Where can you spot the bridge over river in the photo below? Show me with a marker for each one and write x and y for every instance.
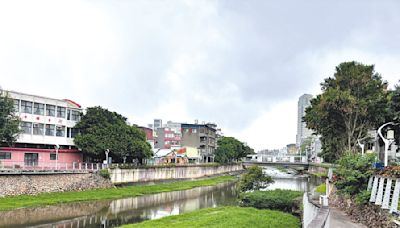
(290, 161)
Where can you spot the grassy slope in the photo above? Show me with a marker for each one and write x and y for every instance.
(9, 203)
(321, 188)
(226, 217)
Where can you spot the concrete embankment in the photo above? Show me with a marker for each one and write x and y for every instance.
(12, 185)
(120, 176)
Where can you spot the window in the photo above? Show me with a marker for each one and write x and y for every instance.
(68, 114)
(38, 109)
(16, 105)
(75, 115)
(53, 156)
(60, 131)
(26, 107)
(50, 128)
(61, 112)
(26, 127)
(370, 146)
(38, 129)
(5, 155)
(50, 110)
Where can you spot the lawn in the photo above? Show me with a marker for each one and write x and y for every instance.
(225, 217)
(9, 203)
(321, 188)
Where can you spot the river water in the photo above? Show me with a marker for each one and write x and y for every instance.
(112, 213)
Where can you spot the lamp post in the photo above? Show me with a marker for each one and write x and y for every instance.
(57, 147)
(107, 151)
(362, 146)
(388, 141)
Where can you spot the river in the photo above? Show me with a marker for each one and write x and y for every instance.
(112, 213)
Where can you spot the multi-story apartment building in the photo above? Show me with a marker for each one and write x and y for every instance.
(302, 131)
(167, 138)
(46, 124)
(149, 135)
(200, 136)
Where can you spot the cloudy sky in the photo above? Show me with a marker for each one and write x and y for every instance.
(240, 64)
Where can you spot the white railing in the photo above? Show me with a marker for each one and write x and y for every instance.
(48, 166)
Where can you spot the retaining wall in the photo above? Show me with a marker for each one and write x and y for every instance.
(11, 185)
(119, 176)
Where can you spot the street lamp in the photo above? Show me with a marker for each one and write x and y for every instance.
(107, 151)
(388, 141)
(57, 147)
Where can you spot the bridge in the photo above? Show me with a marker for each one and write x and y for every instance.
(292, 161)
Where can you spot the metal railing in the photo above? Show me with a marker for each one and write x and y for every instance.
(48, 166)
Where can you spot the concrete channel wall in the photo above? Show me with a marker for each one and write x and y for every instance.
(120, 176)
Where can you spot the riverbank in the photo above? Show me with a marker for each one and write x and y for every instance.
(225, 217)
(9, 203)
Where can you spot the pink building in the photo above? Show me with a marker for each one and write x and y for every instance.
(47, 127)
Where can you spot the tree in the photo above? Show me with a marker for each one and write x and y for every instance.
(101, 129)
(254, 179)
(230, 149)
(352, 102)
(9, 122)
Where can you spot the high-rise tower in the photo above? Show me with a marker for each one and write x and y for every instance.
(302, 131)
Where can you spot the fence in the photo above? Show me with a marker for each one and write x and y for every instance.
(9, 166)
(385, 192)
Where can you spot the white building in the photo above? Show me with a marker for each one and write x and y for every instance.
(302, 131)
(45, 123)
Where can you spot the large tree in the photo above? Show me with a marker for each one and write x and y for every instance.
(101, 129)
(9, 122)
(352, 102)
(230, 149)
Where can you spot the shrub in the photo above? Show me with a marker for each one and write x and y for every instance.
(105, 173)
(363, 197)
(283, 200)
(253, 179)
(353, 173)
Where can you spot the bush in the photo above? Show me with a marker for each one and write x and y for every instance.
(363, 197)
(105, 173)
(282, 200)
(253, 179)
(353, 173)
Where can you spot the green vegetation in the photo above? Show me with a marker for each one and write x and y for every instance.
(105, 173)
(230, 149)
(9, 122)
(353, 173)
(9, 203)
(254, 179)
(321, 188)
(321, 174)
(226, 217)
(283, 200)
(352, 102)
(324, 165)
(101, 129)
(363, 197)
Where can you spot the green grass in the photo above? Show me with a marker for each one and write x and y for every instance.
(9, 203)
(225, 217)
(321, 188)
(324, 165)
(283, 200)
(320, 174)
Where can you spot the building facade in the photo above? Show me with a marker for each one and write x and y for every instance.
(201, 136)
(302, 131)
(167, 138)
(46, 124)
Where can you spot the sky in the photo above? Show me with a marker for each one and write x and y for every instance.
(240, 64)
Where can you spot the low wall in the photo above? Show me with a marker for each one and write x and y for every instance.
(119, 176)
(11, 185)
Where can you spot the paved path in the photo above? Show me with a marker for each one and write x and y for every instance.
(338, 219)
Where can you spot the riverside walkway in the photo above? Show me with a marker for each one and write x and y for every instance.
(338, 219)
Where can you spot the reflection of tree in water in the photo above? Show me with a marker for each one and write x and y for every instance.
(122, 211)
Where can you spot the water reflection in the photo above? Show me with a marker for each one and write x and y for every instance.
(121, 211)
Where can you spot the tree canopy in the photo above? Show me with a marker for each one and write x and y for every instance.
(101, 129)
(254, 179)
(9, 122)
(230, 149)
(353, 101)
